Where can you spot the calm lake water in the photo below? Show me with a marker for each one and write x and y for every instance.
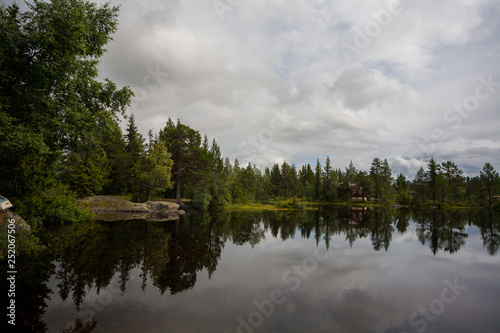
(331, 270)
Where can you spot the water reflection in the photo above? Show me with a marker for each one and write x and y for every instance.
(170, 256)
(490, 232)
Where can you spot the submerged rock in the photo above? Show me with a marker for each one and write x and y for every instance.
(107, 208)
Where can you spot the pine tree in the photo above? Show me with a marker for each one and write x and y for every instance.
(386, 179)
(318, 181)
(432, 177)
(490, 180)
(276, 180)
(135, 153)
(375, 175)
(419, 183)
(328, 187)
(452, 175)
(184, 143)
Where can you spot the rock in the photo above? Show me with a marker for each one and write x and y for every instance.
(6, 215)
(107, 208)
(162, 205)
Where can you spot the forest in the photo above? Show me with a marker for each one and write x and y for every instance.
(60, 137)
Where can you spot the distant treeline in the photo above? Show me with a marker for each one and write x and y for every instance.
(178, 162)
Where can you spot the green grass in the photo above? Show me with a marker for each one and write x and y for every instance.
(286, 205)
(280, 205)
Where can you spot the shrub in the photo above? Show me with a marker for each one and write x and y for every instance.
(54, 206)
(293, 203)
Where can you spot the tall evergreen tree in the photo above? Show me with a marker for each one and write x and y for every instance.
(318, 181)
(276, 180)
(375, 175)
(381, 177)
(183, 143)
(351, 173)
(490, 180)
(402, 189)
(452, 175)
(113, 143)
(219, 184)
(135, 153)
(419, 183)
(328, 186)
(289, 179)
(432, 177)
(386, 178)
(306, 178)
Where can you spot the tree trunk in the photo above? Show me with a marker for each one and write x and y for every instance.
(489, 195)
(178, 186)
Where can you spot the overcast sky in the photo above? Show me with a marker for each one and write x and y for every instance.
(293, 80)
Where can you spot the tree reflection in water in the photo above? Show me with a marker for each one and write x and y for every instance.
(170, 255)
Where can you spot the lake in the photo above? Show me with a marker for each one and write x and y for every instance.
(330, 270)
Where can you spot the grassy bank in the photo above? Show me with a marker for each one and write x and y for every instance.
(314, 205)
(277, 205)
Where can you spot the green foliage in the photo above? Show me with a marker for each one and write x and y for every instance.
(27, 243)
(381, 181)
(184, 145)
(156, 170)
(113, 143)
(306, 182)
(490, 181)
(201, 200)
(403, 194)
(50, 100)
(219, 180)
(53, 206)
(86, 175)
(237, 195)
(134, 157)
(432, 177)
(293, 203)
(318, 176)
(328, 188)
(419, 185)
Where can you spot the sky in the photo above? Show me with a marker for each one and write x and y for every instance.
(297, 80)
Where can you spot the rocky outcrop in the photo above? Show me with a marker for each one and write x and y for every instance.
(108, 208)
(6, 215)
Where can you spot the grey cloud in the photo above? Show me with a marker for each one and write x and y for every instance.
(226, 78)
(358, 87)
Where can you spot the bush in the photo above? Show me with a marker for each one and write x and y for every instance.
(54, 206)
(293, 203)
(201, 200)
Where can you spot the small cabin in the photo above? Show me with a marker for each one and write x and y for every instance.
(357, 193)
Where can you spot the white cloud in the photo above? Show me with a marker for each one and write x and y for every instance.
(229, 78)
